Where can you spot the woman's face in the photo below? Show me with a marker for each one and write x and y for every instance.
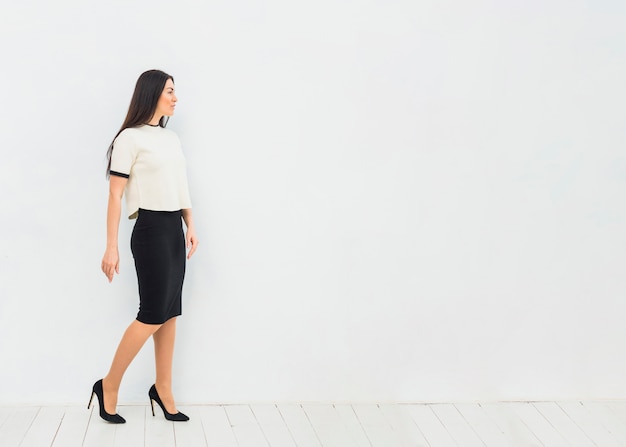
(167, 100)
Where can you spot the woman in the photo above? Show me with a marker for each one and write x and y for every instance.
(146, 164)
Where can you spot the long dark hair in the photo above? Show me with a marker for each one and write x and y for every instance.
(143, 104)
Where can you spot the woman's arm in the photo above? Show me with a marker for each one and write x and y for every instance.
(190, 238)
(111, 259)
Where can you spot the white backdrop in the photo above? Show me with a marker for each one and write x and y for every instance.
(396, 201)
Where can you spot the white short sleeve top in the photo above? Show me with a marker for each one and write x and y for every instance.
(152, 159)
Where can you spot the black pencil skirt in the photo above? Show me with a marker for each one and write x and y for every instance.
(158, 246)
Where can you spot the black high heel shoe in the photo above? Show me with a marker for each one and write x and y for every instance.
(112, 418)
(154, 397)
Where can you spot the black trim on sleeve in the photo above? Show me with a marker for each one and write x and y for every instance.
(119, 174)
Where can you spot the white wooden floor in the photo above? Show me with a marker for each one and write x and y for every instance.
(601, 424)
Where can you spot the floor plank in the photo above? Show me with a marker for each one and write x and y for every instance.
(572, 433)
(543, 430)
(189, 433)
(16, 425)
(132, 433)
(515, 430)
(245, 426)
(328, 425)
(355, 425)
(299, 425)
(456, 425)
(216, 426)
(44, 428)
(430, 425)
(5, 412)
(273, 425)
(100, 433)
(619, 409)
(73, 428)
(159, 431)
(484, 426)
(400, 420)
(611, 421)
(379, 430)
(589, 424)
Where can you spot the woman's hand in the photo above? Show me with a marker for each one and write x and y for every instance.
(111, 262)
(191, 240)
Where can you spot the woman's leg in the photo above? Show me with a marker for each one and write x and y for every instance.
(164, 339)
(132, 341)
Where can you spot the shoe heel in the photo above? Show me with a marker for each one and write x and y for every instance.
(90, 399)
(152, 404)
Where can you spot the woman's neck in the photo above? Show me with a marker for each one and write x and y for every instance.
(155, 120)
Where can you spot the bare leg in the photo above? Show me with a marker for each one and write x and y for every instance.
(132, 341)
(164, 339)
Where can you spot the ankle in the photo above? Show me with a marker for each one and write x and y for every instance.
(110, 386)
(163, 387)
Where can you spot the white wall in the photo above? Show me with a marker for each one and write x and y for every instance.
(397, 201)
